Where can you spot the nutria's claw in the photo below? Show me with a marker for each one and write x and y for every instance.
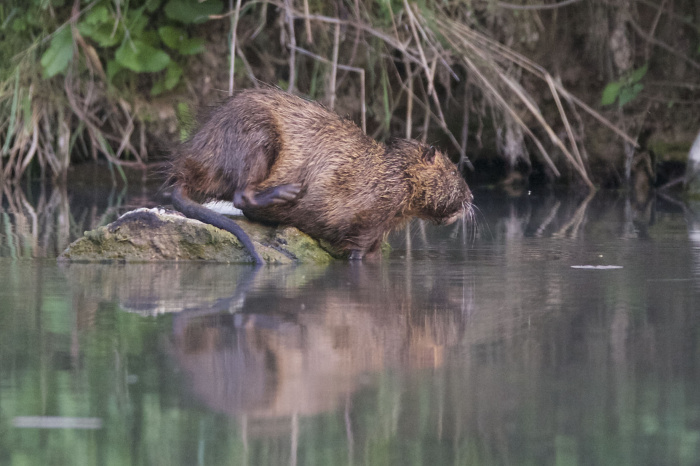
(287, 192)
(248, 198)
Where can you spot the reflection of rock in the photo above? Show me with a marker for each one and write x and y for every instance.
(146, 235)
(291, 352)
(158, 288)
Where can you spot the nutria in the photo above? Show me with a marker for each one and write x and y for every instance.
(285, 160)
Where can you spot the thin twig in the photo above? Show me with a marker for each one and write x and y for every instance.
(685, 20)
(263, 21)
(327, 61)
(409, 99)
(234, 29)
(334, 69)
(293, 43)
(534, 111)
(489, 86)
(248, 68)
(307, 23)
(465, 128)
(652, 29)
(482, 42)
(412, 22)
(663, 45)
(565, 120)
(363, 101)
(426, 123)
(361, 71)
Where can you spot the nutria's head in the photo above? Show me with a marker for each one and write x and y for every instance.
(439, 192)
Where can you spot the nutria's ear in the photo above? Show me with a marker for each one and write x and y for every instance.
(429, 154)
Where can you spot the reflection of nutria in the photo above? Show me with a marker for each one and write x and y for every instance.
(285, 160)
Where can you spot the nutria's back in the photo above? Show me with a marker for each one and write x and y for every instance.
(351, 189)
(239, 142)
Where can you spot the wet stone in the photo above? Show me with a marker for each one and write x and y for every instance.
(148, 235)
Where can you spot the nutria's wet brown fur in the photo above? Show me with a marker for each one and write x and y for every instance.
(285, 160)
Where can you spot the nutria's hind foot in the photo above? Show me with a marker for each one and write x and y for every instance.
(248, 198)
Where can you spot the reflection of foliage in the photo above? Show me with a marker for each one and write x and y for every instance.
(550, 368)
(44, 227)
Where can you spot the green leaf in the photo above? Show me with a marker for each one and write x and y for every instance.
(98, 25)
(173, 73)
(192, 46)
(628, 93)
(176, 38)
(19, 25)
(638, 74)
(191, 11)
(151, 38)
(152, 5)
(158, 87)
(113, 67)
(185, 118)
(98, 15)
(140, 57)
(56, 58)
(172, 36)
(610, 93)
(137, 22)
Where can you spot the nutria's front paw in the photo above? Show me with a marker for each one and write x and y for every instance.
(270, 196)
(286, 192)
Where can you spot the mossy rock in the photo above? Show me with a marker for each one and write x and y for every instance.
(147, 235)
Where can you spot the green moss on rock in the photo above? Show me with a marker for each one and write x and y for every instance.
(146, 235)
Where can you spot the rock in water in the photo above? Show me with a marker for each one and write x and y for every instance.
(146, 235)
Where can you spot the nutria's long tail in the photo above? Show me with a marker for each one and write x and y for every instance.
(197, 211)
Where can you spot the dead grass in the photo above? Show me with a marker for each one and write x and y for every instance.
(397, 67)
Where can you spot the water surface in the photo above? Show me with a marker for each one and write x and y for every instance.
(462, 346)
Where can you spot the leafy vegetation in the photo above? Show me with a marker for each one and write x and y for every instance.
(73, 75)
(626, 89)
(103, 79)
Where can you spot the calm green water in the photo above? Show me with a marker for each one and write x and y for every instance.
(463, 346)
